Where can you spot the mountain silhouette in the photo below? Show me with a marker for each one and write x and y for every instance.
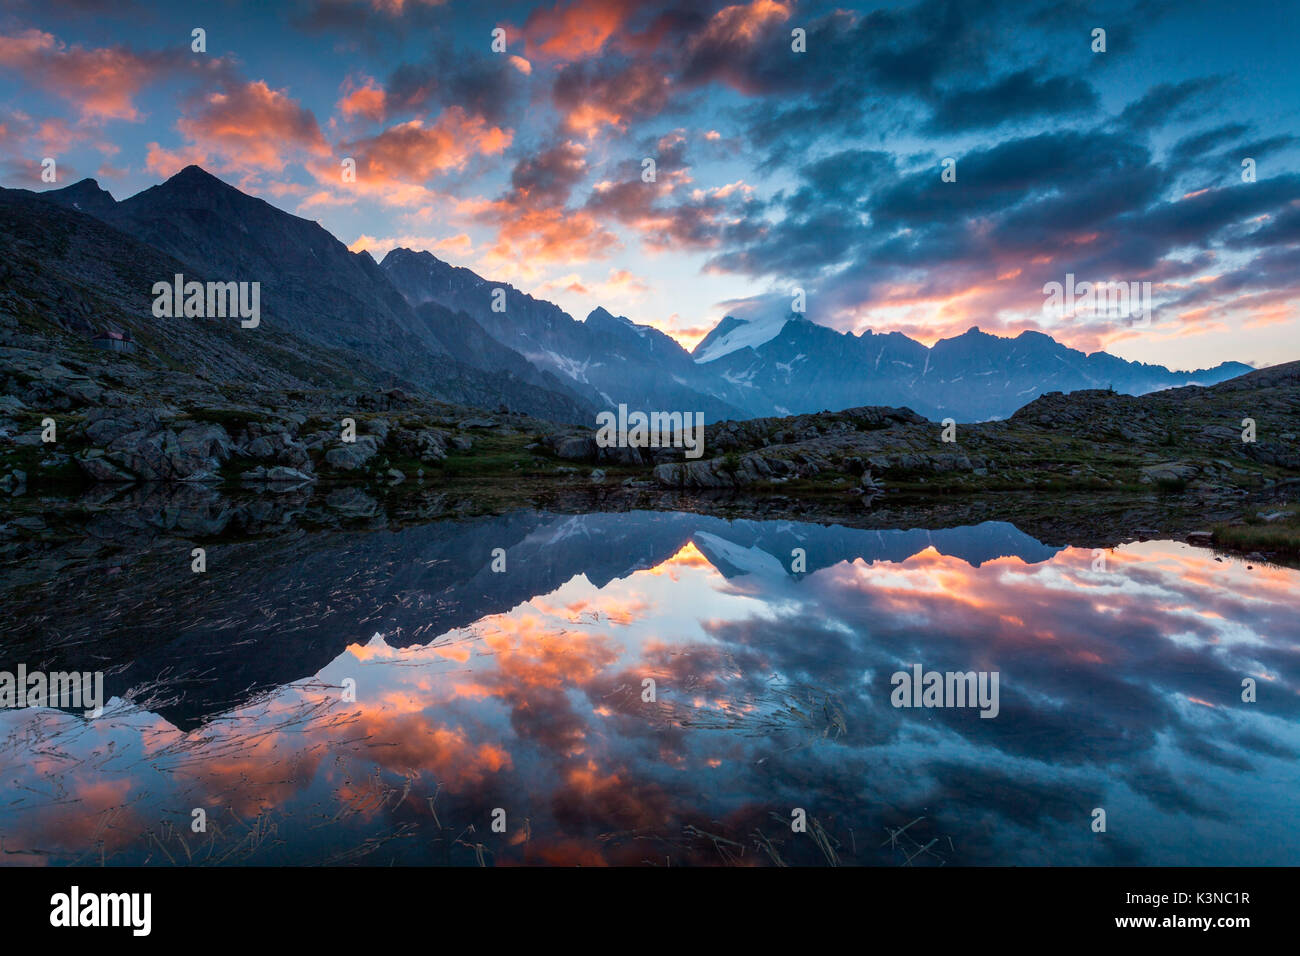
(419, 320)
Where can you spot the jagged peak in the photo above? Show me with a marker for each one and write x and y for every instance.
(398, 253)
(196, 174)
(84, 196)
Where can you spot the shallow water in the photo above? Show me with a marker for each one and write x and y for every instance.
(519, 696)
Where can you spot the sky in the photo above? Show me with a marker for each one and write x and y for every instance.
(775, 168)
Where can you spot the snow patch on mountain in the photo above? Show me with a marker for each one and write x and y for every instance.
(747, 334)
(752, 560)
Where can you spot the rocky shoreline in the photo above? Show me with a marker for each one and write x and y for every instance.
(73, 426)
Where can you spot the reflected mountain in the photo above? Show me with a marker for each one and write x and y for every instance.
(653, 688)
(270, 612)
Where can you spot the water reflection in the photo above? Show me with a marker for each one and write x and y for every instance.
(525, 692)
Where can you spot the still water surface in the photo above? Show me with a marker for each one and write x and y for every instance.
(521, 696)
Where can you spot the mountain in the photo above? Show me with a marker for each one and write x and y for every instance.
(778, 366)
(85, 196)
(805, 367)
(732, 333)
(66, 277)
(607, 359)
(414, 319)
(446, 562)
(313, 287)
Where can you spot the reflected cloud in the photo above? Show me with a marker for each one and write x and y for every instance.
(662, 686)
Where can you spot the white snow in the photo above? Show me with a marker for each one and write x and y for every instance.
(747, 560)
(566, 366)
(745, 378)
(788, 367)
(750, 334)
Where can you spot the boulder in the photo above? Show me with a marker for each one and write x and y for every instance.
(96, 467)
(282, 474)
(722, 472)
(207, 440)
(352, 455)
(574, 447)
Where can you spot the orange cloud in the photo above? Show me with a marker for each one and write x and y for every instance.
(250, 125)
(620, 284)
(590, 100)
(368, 101)
(745, 22)
(460, 244)
(576, 31)
(102, 82)
(415, 152)
(51, 136)
(535, 237)
(165, 163)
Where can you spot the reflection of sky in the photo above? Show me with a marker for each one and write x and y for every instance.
(1119, 689)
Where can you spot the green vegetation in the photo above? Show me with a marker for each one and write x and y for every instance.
(492, 454)
(1280, 536)
(233, 420)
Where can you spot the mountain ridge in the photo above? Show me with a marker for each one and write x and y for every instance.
(412, 313)
(317, 289)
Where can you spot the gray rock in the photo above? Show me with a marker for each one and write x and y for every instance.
(15, 482)
(281, 473)
(104, 425)
(99, 468)
(208, 440)
(431, 445)
(159, 456)
(260, 448)
(1168, 471)
(726, 472)
(574, 447)
(623, 455)
(352, 455)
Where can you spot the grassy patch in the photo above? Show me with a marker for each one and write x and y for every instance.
(1281, 536)
(492, 454)
(233, 420)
